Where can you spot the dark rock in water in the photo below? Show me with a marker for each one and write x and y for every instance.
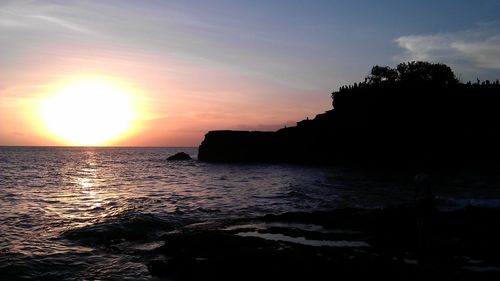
(180, 156)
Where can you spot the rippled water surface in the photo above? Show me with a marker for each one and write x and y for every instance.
(60, 207)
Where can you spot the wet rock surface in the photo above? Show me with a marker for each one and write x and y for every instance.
(342, 244)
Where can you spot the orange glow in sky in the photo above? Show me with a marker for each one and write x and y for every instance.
(112, 98)
(164, 73)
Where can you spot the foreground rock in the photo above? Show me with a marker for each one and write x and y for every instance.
(349, 244)
(179, 156)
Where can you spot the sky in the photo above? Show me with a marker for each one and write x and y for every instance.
(194, 66)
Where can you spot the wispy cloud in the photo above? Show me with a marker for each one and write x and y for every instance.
(61, 22)
(477, 48)
(485, 54)
(29, 15)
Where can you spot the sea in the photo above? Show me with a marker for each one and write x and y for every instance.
(94, 213)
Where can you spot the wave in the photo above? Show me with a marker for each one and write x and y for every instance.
(449, 203)
(129, 226)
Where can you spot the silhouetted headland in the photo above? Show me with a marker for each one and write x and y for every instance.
(416, 113)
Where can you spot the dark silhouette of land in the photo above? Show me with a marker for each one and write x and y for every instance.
(416, 115)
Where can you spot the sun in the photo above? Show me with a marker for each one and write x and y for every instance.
(88, 112)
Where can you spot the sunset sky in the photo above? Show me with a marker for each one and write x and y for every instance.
(176, 69)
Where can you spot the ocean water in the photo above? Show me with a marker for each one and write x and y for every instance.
(95, 213)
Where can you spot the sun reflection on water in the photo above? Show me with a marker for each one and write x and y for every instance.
(85, 182)
(88, 194)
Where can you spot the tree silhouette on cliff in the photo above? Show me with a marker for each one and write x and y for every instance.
(382, 74)
(415, 73)
(421, 72)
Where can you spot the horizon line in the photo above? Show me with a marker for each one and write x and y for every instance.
(95, 146)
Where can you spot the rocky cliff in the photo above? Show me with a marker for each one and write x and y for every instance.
(389, 124)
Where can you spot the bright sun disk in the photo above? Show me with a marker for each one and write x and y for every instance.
(88, 113)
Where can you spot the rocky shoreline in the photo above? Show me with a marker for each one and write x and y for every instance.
(341, 244)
